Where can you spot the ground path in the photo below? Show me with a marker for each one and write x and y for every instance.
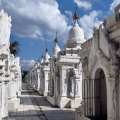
(35, 107)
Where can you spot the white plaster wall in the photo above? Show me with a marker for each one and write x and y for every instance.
(103, 41)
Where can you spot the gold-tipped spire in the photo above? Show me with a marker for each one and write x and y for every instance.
(56, 39)
(46, 50)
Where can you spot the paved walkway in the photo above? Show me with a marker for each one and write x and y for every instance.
(35, 107)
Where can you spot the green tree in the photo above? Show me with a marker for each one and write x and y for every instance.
(14, 48)
(24, 73)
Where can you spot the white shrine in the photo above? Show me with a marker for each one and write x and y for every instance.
(10, 81)
(15, 83)
(44, 73)
(5, 23)
(39, 75)
(61, 75)
(67, 71)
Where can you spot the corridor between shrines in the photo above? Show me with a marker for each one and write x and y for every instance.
(36, 107)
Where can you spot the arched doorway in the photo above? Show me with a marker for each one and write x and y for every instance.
(100, 94)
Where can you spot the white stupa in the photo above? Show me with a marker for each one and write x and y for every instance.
(76, 34)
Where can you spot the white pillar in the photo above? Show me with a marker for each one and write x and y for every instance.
(46, 83)
(38, 80)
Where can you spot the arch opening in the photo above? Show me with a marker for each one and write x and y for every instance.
(100, 94)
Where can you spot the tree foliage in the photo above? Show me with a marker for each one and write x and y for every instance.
(14, 48)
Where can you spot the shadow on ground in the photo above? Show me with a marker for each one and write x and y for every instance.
(46, 115)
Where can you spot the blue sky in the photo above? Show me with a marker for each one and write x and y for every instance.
(35, 22)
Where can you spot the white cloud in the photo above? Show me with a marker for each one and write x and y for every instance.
(27, 64)
(35, 18)
(83, 4)
(68, 13)
(114, 4)
(88, 22)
